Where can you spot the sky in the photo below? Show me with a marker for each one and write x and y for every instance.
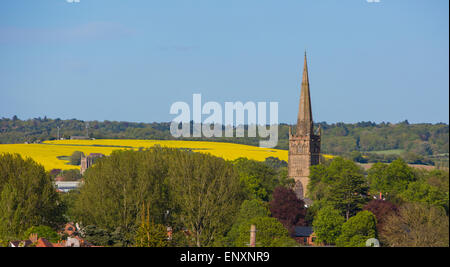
(131, 60)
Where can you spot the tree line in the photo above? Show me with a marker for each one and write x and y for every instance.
(422, 143)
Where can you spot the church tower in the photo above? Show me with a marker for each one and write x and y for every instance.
(304, 144)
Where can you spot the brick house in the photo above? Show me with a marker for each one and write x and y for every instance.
(305, 235)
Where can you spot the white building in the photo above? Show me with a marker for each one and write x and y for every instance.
(67, 186)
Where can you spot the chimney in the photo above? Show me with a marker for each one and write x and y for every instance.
(169, 233)
(252, 236)
(33, 238)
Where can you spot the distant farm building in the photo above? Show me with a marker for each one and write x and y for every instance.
(66, 186)
(79, 137)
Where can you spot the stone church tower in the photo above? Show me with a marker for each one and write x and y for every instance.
(304, 144)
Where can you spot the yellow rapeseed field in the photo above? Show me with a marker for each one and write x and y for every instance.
(47, 152)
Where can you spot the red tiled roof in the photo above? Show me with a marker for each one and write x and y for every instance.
(43, 243)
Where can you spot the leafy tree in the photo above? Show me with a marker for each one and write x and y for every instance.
(275, 163)
(121, 238)
(390, 179)
(339, 183)
(249, 210)
(349, 192)
(287, 208)
(432, 187)
(437, 178)
(257, 179)
(96, 235)
(42, 231)
(181, 188)
(421, 191)
(3, 243)
(413, 158)
(319, 182)
(71, 175)
(183, 238)
(103, 237)
(68, 201)
(270, 233)
(357, 230)
(356, 156)
(27, 196)
(313, 209)
(417, 225)
(206, 194)
(283, 179)
(150, 234)
(327, 225)
(253, 187)
(75, 158)
(115, 186)
(378, 179)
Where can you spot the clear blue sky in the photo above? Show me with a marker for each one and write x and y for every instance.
(130, 60)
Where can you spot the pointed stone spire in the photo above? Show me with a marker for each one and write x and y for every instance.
(304, 119)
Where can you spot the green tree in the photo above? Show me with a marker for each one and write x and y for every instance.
(114, 186)
(75, 158)
(339, 183)
(348, 188)
(249, 210)
(421, 191)
(275, 163)
(356, 156)
(349, 193)
(96, 235)
(42, 231)
(432, 187)
(357, 230)
(71, 175)
(184, 239)
(270, 233)
(319, 182)
(150, 234)
(121, 238)
(257, 178)
(185, 189)
(327, 225)
(68, 201)
(27, 196)
(104, 237)
(206, 193)
(390, 179)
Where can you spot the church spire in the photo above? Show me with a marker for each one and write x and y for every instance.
(304, 119)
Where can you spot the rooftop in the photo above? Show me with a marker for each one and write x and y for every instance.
(303, 231)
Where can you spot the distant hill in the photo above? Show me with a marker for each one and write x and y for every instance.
(364, 142)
